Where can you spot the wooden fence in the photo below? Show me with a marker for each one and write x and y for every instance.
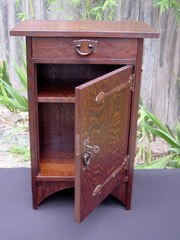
(160, 89)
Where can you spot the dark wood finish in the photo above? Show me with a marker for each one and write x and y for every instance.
(33, 119)
(56, 83)
(55, 178)
(45, 189)
(106, 125)
(56, 139)
(85, 61)
(40, 28)
(133, 125)
(78, 92)
(54, 95)
(64, 48)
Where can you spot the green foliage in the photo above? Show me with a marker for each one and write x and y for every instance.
(16, 141)
(153, 127)
(93, 10)
(10, 97)
(50, 1)
(161, 162)
(165, 5)
(144, 137)
(15, 101)
(22, 16)
(90, 9)
(3, 75)
(21, 69)
(24, 151)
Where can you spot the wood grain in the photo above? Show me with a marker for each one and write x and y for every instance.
(120, 191)
(33, 119)
(84, 29)
(133, 124)
(162, 94)
(45, 189)
(57, 160)
(160, 89)
(56, 125)
(64, 48)
(106, 125)
(57, 82)
(57, 113)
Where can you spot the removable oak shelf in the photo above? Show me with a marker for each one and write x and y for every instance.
(57, 93)
(83, 92)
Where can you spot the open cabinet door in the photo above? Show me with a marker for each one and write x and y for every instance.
(102, 124)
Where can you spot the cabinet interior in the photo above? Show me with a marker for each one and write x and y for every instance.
(56, 113)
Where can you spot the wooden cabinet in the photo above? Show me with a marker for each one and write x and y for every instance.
(83, 90)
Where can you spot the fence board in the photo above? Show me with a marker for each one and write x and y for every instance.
(160, 88)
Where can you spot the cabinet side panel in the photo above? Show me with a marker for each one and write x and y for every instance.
(133, 125)
(33, 118)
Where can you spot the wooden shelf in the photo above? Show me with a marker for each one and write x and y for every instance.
(66, 95)
(57, 161)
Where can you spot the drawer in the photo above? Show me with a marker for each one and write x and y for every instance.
(75, 48)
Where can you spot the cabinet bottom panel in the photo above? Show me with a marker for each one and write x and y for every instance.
(45, 189)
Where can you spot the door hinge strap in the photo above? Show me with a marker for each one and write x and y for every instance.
(125, 179)
(99, 187)
(131, 79)
(126, 160)
(102, 95)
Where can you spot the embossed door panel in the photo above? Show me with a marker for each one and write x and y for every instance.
(102, 121)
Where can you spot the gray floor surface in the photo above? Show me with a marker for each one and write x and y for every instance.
(155, 213)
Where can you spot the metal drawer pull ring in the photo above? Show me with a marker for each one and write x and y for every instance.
(78, 47)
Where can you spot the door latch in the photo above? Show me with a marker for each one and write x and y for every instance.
(86, 158)
(88, 151)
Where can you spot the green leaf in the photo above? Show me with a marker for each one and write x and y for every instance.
(4, 72)
(12, 104)
(178, 131)
(50, 1)
(3, 90)
(17, 4)
(167, 137)
(76, 3)
(175, 162)
(157, 122)
(15, 94)
(22, 16)
(21, 74)
(176, 150)
(156, 164)
(23, 46)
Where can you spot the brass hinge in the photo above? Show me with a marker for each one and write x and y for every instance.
(126, 161)
(132, 78)
(125, 179)
(99, 187)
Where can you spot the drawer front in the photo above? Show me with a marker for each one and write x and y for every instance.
(74, 48)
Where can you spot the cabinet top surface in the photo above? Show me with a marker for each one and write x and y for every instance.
(52, 28)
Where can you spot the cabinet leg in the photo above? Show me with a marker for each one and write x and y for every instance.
(123, 192)
(129, 192)
(34, 196)
(120, 193)
(35, 206)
